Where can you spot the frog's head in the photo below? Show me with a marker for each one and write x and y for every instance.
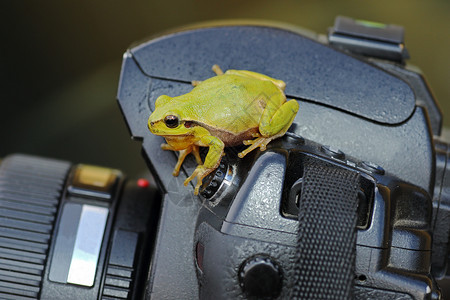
(167, 119)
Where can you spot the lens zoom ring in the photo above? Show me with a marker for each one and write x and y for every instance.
(30, 190)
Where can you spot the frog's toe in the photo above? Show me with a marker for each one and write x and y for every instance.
(216, 69)
(166, 147)
(256, 138)
(189, 179)
(260, 142)
(197, 187)
(253, 146)
(200, 172)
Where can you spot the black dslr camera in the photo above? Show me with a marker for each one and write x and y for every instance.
(350, 203)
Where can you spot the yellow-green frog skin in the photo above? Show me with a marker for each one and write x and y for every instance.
(234, 107)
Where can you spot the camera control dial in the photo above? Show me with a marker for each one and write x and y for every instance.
(261, 277)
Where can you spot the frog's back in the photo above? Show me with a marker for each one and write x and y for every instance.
(230, 103)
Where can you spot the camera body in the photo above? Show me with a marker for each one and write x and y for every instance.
(361, 109)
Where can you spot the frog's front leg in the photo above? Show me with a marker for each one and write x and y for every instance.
(212, 160)
(273, 124)
(182, 156)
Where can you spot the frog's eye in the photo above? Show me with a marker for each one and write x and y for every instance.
(171, 121)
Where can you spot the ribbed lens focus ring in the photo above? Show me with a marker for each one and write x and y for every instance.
(30, 191)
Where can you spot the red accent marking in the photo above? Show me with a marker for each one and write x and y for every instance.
(143, 183)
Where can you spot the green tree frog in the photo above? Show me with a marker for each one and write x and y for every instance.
(234, 107)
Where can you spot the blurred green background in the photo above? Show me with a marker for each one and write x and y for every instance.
(60, 62)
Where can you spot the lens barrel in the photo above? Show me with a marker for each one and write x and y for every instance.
(30, 191)
(72, 232)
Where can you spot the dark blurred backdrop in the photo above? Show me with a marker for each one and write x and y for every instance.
(60, 62)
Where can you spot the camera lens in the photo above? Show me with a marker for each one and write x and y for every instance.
(72, 232)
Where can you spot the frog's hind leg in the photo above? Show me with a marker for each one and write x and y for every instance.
(261, 142)
(217, 70)
(272, 126)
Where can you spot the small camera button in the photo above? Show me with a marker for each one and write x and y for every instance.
(333, 152)
(350, 163)
(372, 167)
(261, 277)
(94, 182)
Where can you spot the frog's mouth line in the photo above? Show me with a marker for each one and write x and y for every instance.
(175, 136)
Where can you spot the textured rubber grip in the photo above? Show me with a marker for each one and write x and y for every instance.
(30, 191)
(327, 233)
